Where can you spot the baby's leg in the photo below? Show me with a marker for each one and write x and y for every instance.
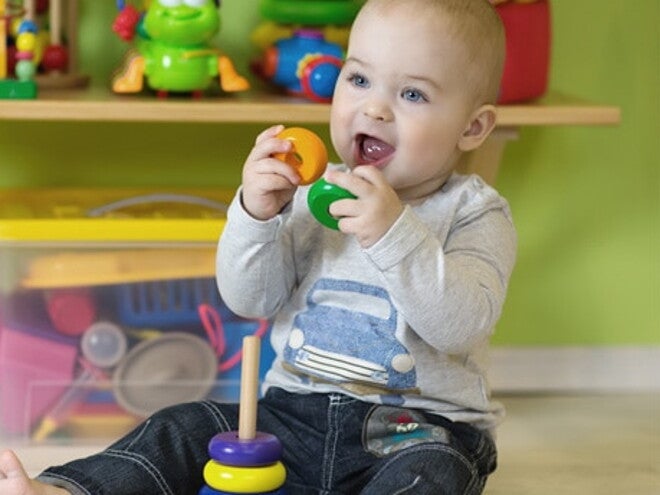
(164, 454)
(435, 455)
(14, 480)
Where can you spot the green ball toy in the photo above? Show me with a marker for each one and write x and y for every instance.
(319, 198)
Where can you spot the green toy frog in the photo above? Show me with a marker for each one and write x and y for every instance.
(172, 49)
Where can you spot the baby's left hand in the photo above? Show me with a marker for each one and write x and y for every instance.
(373, 212)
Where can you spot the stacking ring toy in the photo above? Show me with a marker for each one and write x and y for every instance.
(228, 449)
(246, 461)
(244, 479)
(308, 157)
(321, 195)
(207, 490)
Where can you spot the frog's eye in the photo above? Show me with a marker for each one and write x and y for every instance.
(170, 3)
(195, 3)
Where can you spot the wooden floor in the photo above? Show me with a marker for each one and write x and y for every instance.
(579, 445)
(549, 445)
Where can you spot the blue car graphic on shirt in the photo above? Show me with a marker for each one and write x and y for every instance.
(336, 340)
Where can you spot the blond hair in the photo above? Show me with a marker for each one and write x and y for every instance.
(477, 26)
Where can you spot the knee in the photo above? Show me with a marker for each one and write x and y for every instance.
(429, 469)
(192, 421)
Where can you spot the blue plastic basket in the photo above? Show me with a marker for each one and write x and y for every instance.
(167, 303)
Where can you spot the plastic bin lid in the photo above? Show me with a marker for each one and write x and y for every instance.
(112, 215)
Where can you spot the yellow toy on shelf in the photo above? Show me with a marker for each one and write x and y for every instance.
(41, 52)
(25, 53)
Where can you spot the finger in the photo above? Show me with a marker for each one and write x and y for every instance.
(268, 147)
(273, 182)
(267, 143)
(344, 208)
(352, 183)
(370, 174)
(10, 466)
(271, 166)
(272, 131)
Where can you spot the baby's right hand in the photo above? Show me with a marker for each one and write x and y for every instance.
(268, 183)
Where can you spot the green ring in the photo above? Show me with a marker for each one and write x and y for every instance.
(319, 198)
(316, 13)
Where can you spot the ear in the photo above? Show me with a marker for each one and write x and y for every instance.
(480, 125)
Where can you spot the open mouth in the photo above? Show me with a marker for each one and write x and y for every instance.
(372, 151)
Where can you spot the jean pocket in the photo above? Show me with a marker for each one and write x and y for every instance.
(390, 429)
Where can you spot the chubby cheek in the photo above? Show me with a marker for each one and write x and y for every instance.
(341, 139)
(433, 141)
(425, 158)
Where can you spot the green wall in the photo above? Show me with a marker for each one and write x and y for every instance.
(585, 199)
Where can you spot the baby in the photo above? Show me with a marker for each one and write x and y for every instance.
(379, 328)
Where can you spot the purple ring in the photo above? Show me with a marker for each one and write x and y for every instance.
(227, 448)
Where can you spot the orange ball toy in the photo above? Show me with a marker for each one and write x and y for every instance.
(308, 155)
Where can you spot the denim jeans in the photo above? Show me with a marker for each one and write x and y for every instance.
(333, 444)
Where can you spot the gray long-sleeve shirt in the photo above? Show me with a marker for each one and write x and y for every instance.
(405, 321)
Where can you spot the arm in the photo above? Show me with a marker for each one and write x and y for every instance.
(451, 295)
(255, 271)
(451, 291)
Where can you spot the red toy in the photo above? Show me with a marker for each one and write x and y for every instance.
(528, 36)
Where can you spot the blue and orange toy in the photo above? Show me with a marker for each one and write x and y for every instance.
(302, 43)
(281, 18)
(305, 64)
(172, 49)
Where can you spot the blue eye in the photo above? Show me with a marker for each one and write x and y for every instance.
(414, 95)
(358, 80)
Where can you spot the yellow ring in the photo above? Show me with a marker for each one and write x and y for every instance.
(308, 157)
(244, 479)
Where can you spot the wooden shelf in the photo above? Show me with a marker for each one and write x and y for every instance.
(100, 105)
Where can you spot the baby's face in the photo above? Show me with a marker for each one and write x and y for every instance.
(401, 102)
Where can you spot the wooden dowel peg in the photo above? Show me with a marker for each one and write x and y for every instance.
(247, 416)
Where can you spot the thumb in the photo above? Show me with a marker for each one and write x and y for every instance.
(10, 466)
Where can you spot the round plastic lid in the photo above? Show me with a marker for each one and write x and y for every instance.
(173, 368)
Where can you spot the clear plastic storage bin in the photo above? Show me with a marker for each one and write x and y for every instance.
(109, 310)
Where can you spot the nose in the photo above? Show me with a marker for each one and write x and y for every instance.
(378, 109)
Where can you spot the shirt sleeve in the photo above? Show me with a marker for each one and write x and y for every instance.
(450, 291)
(254, 266)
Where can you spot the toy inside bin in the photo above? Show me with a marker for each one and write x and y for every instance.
(166, 303)
(31, 352)
(146, 269)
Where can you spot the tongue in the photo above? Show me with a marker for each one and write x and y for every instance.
(374, 149)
